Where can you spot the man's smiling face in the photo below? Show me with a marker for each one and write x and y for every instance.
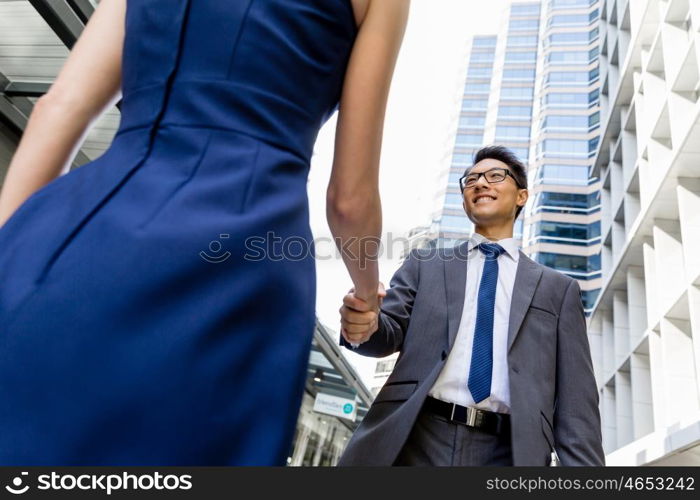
(487, 203)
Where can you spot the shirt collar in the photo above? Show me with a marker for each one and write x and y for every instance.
(510, 245)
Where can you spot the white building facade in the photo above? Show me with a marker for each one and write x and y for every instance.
(645, 323)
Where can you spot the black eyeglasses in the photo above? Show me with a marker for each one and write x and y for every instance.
(492, 176)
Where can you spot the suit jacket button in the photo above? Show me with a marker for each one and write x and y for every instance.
(444, 355)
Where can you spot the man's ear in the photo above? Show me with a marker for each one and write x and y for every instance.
(523, 195)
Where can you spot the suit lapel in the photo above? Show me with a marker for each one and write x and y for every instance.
(527, 276)
(455, 282)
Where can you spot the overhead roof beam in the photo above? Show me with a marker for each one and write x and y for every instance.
(83, 8)
(10, 115)
(67, 18)
(13, 117)
(62, 18)
(25, 89)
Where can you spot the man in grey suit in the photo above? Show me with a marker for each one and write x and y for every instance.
(494, 365)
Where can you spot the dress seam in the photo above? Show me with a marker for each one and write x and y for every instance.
(242, 25)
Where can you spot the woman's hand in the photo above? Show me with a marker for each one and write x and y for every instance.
(360, 315)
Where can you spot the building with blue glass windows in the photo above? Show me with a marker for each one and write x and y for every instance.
(562, 221)
(452, 222)
(497, 107)
(534, 88)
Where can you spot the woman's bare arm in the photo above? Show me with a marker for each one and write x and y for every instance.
(353, 205)
(88, 83)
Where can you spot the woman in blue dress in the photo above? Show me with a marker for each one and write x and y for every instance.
(135, 327)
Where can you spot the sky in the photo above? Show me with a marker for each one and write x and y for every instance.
(419, 131)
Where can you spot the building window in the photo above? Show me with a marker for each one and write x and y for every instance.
(453, 200)
(480, 72)
(566, 122)
(521, 153)
(568, 77)
(567, 230)
(459, 159)
(519, 74)
(578, 38)
(573, 19)
(474, 104)
(578, 201)
(472, 121)
(522, 41)
(517, 93)
(453, 179)
(566, 146)
(515, 112)
(589, 297)
(576, 175)
(521, 57)
(529, 9)
(455, 223)
(469, 140)
(568, 57)
(567, 99)
(477, 87)
(570, 4)
(593, 144)
(523, 24)
(484, 41)
(569, 263)
(481, 57)
(509, 132)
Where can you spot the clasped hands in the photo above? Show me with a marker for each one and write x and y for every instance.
(359, 317)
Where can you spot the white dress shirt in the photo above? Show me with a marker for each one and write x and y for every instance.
(451, 384)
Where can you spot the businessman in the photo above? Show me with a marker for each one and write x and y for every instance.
(494, 365)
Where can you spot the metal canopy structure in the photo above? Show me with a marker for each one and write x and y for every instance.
(331, 373)
(35, 40)
(64, 17)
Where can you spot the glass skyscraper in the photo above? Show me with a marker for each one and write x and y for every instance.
(534, 88)
(515, 97)
(496, 108)
(562, 224)
(453, 224)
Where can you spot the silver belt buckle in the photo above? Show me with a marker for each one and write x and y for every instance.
(471, 415)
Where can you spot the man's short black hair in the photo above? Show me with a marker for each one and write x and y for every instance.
(501, 153)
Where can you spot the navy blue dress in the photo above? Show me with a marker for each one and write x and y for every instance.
(139, 323)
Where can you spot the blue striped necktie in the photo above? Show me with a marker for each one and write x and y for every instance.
(481, 366)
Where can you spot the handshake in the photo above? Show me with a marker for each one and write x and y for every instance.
(359, 318)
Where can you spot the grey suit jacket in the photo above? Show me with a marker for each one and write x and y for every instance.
(554, 399)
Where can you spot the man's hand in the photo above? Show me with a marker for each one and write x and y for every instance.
(359, 319)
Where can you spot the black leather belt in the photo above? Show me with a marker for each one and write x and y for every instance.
(487, 421)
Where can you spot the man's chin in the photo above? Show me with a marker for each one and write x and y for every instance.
(487, 219)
